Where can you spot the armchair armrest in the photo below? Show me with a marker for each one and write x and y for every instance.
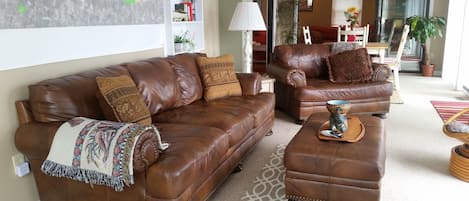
(34, 140)
(292, 77)
(381, 72)
(250, 83)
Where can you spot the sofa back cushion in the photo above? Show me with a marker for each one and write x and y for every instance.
(63, 98)
(157, 82)
(309, 58)
(187, 72)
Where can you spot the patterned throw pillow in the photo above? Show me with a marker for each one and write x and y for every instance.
(120, 100)
(350, 66)
(218, 77)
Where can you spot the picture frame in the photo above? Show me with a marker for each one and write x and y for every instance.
(305, 5)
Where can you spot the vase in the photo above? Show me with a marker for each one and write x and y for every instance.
(338, 110)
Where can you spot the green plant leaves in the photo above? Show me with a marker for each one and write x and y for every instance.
(423, 28)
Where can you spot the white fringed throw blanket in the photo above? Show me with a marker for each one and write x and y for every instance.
(95, 152)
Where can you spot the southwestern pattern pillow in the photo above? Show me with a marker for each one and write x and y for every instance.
(350, 66)
(120, 100)
(219, 77)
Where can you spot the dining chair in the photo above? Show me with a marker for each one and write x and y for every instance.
(307, 35)
(394, 63)
(357, 35)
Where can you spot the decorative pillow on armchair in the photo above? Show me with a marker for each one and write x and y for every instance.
(219, 77)
(120, 100)
(350, 66)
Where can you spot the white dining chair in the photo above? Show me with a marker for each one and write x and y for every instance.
(394, 63)
(360, 34)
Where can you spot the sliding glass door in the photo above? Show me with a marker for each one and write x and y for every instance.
(391, 15)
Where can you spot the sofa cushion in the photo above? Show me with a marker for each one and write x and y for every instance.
(120, 100)
(234, 121)
(194, 153)
(323, 90)
(58, 99)
(260, 106)
(219, 77)
(157, 82)
(187, 73)
(309, 58)
(350, 66)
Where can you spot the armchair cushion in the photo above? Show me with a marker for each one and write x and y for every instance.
(219, 77)
(120, 100)
(350, 66)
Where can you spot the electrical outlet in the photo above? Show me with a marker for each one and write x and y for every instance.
(20, 166)
(22, 169)
(17, 159)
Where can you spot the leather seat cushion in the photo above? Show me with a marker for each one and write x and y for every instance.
(194, 153)
(260, 106)
(324, 90)
(234, 121)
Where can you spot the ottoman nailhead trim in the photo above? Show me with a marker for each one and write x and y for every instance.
(301, 198)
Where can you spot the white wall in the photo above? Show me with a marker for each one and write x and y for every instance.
(28, 47)
(455, 62)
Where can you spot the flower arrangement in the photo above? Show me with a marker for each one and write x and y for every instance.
(352, 14)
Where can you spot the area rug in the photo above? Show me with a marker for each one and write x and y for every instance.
(446, 109)
(269, 186)
(396, 98)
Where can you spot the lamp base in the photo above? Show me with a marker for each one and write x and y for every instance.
(247, 51)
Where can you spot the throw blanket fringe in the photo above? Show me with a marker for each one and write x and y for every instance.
(88, 176)
(96, 152)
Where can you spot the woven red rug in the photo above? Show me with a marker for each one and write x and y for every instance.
(446, 109)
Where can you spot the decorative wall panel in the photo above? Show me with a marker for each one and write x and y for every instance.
(59, 13)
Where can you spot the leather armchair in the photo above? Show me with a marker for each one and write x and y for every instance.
(302, 86)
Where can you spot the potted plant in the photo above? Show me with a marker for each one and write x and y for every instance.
(421, 29)
(182, 42)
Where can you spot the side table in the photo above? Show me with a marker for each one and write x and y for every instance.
(267, 84)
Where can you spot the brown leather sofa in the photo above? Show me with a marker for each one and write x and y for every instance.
(302, 85)
(207, 139)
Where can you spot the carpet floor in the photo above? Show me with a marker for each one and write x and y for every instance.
(417, 150)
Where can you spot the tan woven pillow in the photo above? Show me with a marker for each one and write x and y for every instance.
(219, 77)
(120, 100)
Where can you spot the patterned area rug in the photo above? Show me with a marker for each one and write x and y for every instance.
(446, 109)
(269, 186)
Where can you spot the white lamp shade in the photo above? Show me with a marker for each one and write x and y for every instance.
(247, 17)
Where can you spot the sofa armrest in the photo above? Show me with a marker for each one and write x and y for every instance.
(34, 140)
(250, 83)
(292, 77)
(381, 72)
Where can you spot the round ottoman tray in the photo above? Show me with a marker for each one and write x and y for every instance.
(354, 133)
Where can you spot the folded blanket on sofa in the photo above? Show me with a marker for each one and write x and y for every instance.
(96, 152)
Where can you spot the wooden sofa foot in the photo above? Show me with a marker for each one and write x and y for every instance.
(269, 133)
(381, 115)
(238, 168)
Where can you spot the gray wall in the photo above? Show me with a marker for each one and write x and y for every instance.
(230, 41)
(437, 48)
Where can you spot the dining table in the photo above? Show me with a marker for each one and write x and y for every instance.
(376, 48)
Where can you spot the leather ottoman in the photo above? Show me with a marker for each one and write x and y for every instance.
(335, 171)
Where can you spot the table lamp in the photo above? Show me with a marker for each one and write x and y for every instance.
(247, 17)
